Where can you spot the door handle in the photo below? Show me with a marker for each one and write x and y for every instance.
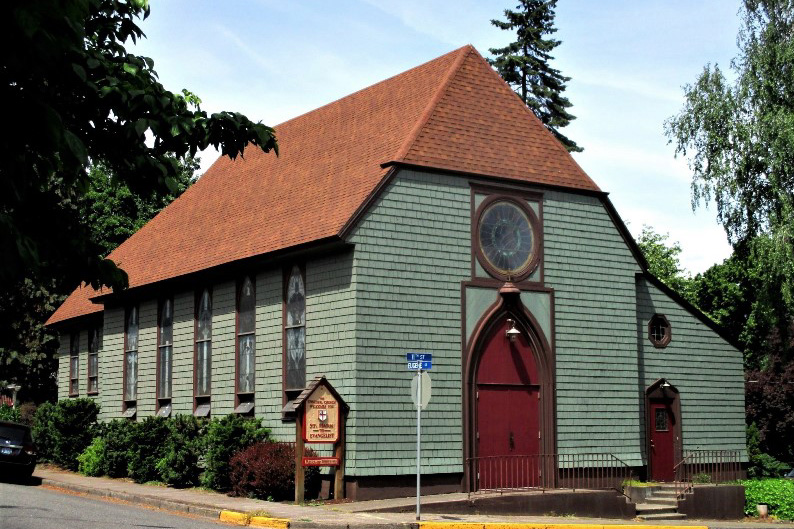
(512, 442)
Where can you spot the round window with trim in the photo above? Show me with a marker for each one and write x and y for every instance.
(508, 238)
(659, 330)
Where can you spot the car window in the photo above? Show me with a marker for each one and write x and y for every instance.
(15, 434)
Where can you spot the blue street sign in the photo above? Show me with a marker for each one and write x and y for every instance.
(423, 365)
(414, 357)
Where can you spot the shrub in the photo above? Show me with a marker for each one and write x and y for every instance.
(92, 461)
(26, 412)
(267, 471)
(116, 438)
(225, 437)
(777, 493)
(8, 413)
(184, 447)
(146, 447)
(44, 432)
(62, 431)
(762, 465)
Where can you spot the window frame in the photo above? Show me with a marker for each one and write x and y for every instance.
(290, 394)
(74, 370)
(130, 403)
(199, 401)
(243, 401)
(163, 402)
(94, 345)
(668, 335)
(521, 201)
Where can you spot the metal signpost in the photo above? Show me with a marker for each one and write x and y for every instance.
(420, 393)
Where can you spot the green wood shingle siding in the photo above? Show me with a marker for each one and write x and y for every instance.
(412, 252)
(591, 270)
(707, 372)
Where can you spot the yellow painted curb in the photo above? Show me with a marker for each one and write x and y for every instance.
(271, 523)
(511, 525)
(240, 518)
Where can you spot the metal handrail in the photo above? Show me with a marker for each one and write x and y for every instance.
(706, 466)
(548, 471)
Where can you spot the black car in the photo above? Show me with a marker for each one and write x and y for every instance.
(17, 452)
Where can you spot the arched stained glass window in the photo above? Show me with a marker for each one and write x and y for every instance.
(203, 344)
(246, 337)
(165, 350)
(131, 355)
(295, 330)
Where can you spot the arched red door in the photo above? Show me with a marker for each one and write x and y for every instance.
(507, 404)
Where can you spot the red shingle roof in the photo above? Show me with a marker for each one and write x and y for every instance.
(453, 112)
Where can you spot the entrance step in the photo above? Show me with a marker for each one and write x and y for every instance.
(650, 509)
(662, 516)
(661, 500)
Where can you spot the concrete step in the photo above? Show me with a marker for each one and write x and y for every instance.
(662, 501)
(655, 508)
(664, 494)
(662, 516)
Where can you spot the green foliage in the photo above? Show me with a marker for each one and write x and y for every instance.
(146, 447)
(73, 95)
(225, 437)
(63, 431)
(737, 138)
(28, 351)
(663, 262)
(27, 410)
(43, 432)
(524, 64)
(267, 471)
(8, 413)
(92, 461)
(116, 436)
(777, 493)
(114, 212)
(184, 447)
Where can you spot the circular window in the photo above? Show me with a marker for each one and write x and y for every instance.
(507, 238)
(659, 331)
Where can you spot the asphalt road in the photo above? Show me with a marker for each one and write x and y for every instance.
(39, 507)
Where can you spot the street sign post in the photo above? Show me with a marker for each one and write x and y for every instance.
(420, 394)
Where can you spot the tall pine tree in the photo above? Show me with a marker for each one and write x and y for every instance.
(524, 64)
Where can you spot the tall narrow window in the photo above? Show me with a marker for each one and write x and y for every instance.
(203, 355)
(165, 353)
(94, 345)
(246, 346)
(295, 331)
(131, 362)
(74, 365)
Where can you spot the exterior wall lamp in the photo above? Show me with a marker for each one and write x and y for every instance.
(512, 332)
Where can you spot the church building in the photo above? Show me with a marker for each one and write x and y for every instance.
(431, 212)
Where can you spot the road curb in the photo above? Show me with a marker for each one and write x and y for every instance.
(511, 525)
(169, 505)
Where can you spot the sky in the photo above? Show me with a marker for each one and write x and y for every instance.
(628, 61)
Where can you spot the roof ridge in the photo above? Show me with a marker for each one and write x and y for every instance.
(431, 104)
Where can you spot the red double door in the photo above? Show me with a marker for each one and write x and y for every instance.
(507, 410)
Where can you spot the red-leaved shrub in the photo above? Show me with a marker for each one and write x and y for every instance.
(267, 471)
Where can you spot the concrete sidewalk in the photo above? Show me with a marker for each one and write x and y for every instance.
(257, 513)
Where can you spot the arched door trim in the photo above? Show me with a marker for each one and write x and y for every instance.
(509, 305)
(662, 390)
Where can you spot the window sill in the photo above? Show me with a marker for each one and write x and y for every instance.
(92, 393)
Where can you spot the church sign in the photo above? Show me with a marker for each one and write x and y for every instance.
(321, 417)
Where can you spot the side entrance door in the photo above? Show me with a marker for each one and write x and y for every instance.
(662, 443)
(508, 432)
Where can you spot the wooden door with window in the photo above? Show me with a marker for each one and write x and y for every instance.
(508, 431)
(662, 422)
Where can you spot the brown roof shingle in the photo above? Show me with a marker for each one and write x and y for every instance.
(453, 112)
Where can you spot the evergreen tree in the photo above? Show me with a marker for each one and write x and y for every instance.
(524, 64)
